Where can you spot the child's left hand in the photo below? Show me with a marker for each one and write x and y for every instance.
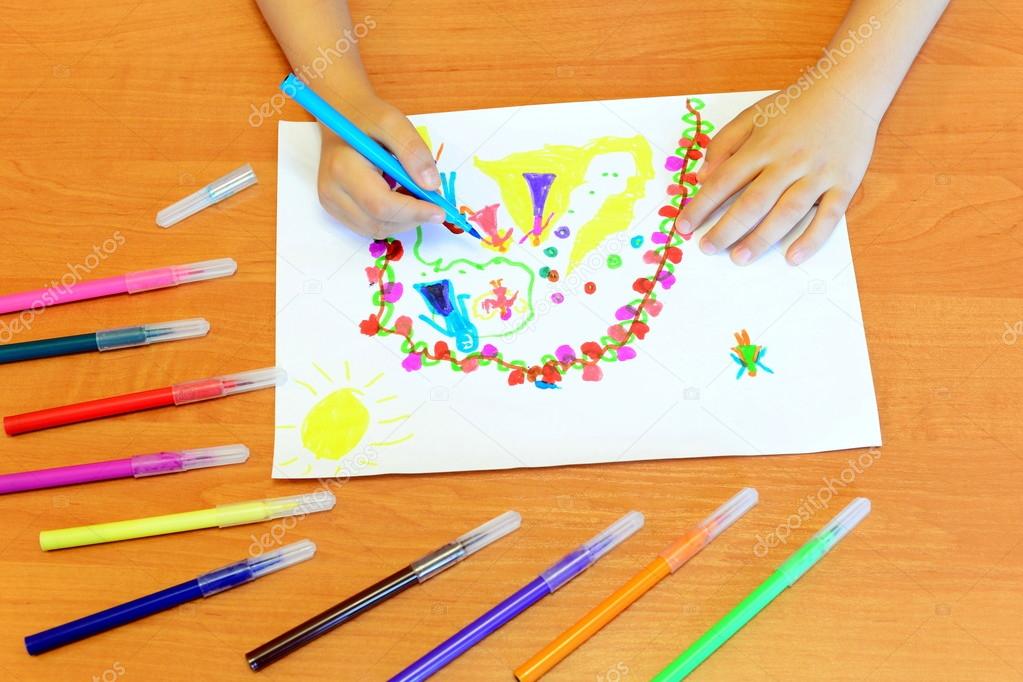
(815, 152)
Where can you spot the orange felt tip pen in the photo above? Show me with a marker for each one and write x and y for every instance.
(666, 563)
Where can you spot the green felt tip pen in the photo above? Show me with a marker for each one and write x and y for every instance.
(801, 561)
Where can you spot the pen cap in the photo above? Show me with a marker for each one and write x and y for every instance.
(172, 275)
(254, 380)
(218, 190)
(491, 531)
(247, 570)
(614, 535)
(686, 547)
(207, 269)
(229, 384)
(141, 335)
(186, 460)
(274, 508)
(847, 519)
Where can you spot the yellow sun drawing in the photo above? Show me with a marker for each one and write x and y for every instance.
(340, 421)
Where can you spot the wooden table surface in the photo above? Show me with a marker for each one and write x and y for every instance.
(110, 110)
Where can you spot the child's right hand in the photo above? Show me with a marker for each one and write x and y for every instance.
(352, 190)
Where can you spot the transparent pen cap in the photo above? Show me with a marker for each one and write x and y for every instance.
(253, 380)
(203, 270)
(176, 330)
(216, 191)
(288, 555)
(690, 544)
(247, 570)
(299, 505)
(844, 521)
(201, 458)
(185, 460)
(489, 532)
(159, 332)
(730, 512)
(614, 535)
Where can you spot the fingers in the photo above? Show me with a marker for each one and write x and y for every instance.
(829, 213)
(355, 193)
(726, 142)
(397, 133)
(733, 175)
(792, 207)
(755, 202)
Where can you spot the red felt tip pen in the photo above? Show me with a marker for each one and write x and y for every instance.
(178, 394)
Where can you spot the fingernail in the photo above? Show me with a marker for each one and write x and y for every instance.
(437, 218)
(741, 255)
(430, 177)
(797, 257)
(707, 247)
(683, 227)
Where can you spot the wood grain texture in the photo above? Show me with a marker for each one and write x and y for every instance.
(110, 110)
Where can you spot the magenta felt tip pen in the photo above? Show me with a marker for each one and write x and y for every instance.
(128, 283)
(569, 567)
(138, 466)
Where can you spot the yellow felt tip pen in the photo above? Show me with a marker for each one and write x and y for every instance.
(221, 516)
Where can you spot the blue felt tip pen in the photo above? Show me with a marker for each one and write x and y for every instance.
(571, 565)
(307, 98)
(205, 585)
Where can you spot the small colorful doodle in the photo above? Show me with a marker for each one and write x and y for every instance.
(748, 356)
(632, 320)
(441, 300)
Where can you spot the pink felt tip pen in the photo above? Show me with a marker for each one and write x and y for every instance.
(129, 283)
(138, 466)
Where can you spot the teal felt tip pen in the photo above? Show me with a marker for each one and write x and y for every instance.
(801, 561)
(104, 340)
(369, 148)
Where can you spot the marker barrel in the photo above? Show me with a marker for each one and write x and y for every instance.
(88, 410)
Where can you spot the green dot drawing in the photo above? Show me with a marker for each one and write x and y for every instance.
(544, 271)
(550, 251)
(614, 261)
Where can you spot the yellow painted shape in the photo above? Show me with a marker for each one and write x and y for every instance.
(570, 163)
(335, 425)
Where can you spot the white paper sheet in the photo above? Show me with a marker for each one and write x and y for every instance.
(357, 404)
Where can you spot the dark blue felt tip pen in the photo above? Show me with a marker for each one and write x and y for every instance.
(205, 585)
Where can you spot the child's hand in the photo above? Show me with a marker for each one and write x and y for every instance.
(815, 152)
(354, 191)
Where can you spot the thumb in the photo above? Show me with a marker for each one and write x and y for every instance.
(400, 136)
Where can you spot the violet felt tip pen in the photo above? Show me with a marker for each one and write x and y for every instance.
(417, 572)
(139, 466)
(205, 585)
(546, 583)
(167, 396)
(129, 283)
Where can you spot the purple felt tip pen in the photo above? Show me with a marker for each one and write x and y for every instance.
(129, 467)
(547, 582)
